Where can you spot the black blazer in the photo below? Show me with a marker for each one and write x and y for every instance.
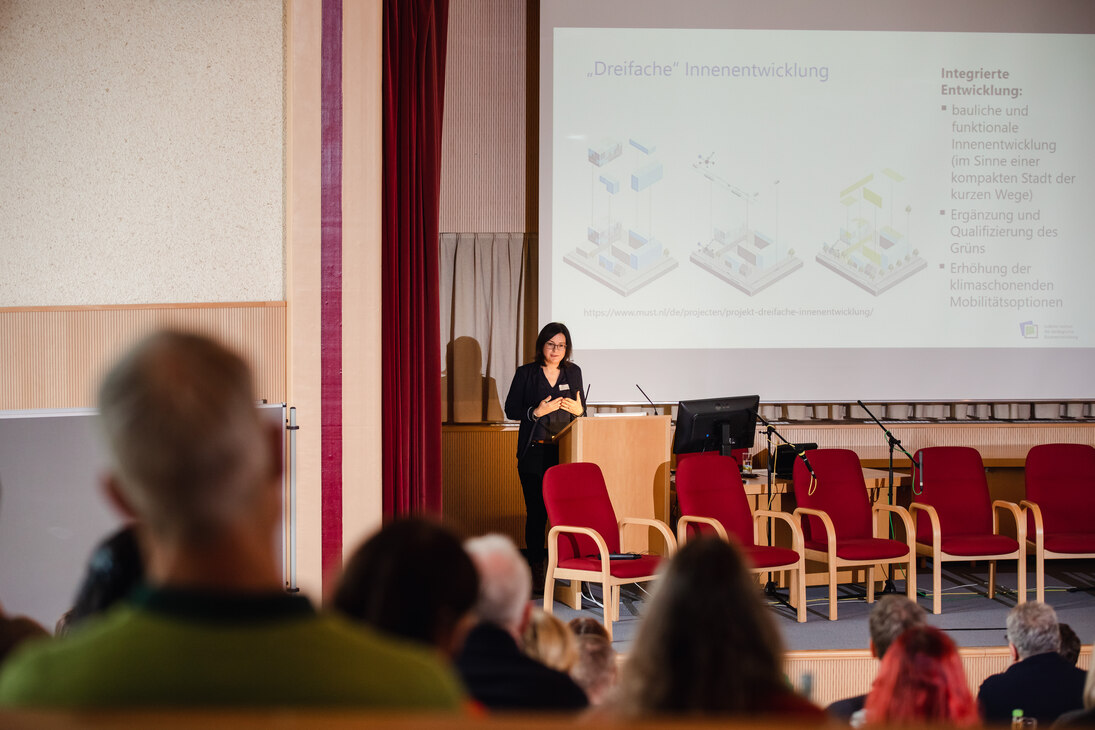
(1042, 686)
(498, 674)
(529, 387)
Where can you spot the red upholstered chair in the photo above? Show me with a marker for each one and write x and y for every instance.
(584, 530)
(839, 525)
(955, 519)
(712, 500)
(1060, 504)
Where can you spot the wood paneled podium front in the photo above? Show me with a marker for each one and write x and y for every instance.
(633, 453)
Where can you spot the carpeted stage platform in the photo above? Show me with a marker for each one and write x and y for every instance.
(969, 616)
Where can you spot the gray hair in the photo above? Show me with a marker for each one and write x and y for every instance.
(1032, 629)
(505, 580)
(890, 617)
(188, 450)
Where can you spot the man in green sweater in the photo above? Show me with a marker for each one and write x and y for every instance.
(198, 472)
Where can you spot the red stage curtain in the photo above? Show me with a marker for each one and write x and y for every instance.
(413, 91)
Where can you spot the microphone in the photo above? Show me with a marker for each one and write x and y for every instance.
(921, 470)
(809, 467)
(585, 400)
(647, 398)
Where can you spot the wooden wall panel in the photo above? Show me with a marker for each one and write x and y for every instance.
(480, 489)
(488, 148)
(839, 674)
(1000, 444)
(54, 357)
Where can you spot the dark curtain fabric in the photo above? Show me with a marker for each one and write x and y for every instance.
(413, 91)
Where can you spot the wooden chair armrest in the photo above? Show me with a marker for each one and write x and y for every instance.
(797, 539)
(553, 544)
(670, 541)
(910, 530)
(933, 519)
(826, 523)
(999, 505)
(1039, 524)
(685, 520)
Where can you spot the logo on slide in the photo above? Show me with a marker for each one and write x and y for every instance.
(1029, 330)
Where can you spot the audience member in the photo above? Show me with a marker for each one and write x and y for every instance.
(549, 641)
(596, 670)
(582, 625)
(889, 618)
(921, 680)
(194, 466)
(707, 645)
(1070, 644)
(1041, 682)
(414, 580)
(113, 571)
(1086, 716)
(495, 670)
(14, 630)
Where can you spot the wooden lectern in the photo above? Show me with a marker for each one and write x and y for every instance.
(633, 453)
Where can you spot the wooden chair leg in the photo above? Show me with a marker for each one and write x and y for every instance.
(992, 578)
(910, 578)
(798, 585)
(870, 584)
(1021, 569)
(606, 598)
(937, 585)
(1040, 577)
(832, 592)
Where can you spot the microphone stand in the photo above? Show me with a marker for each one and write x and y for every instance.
(893, 443)
(770, 430)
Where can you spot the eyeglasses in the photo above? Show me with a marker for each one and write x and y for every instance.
(555, 346)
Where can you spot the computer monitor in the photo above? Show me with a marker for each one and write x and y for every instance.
(716, 424)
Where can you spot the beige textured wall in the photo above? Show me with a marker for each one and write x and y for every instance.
(142, 151)
(488, 149)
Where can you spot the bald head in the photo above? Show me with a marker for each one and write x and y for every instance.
(190, 456)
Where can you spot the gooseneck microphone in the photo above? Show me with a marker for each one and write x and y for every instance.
(647, 397)
(809, 467)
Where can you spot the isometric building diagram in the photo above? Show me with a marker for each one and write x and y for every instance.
(739, 252)
(873, 250)
(620, 249)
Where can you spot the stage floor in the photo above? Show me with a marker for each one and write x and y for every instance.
(969, 616)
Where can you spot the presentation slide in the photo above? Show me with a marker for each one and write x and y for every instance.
(821, 214)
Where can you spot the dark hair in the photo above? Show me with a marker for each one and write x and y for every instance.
(707, 644)
(550, 330)
(1070, 643)
(921, 680)
(114, 569)
(412, 579)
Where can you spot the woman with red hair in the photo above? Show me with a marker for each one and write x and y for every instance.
(921, 680)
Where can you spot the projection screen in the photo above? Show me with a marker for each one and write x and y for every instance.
(820, 201)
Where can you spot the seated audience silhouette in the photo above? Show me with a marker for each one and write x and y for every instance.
(921, 680)
(1070, 644)
(14, 630)
(707, 645)
(596, 670)
(414, 580)
(495, 670)
(1086, 716)
(1041, 682)
(889, 618)
(196, 469)
(550, 641)
(113, 571)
